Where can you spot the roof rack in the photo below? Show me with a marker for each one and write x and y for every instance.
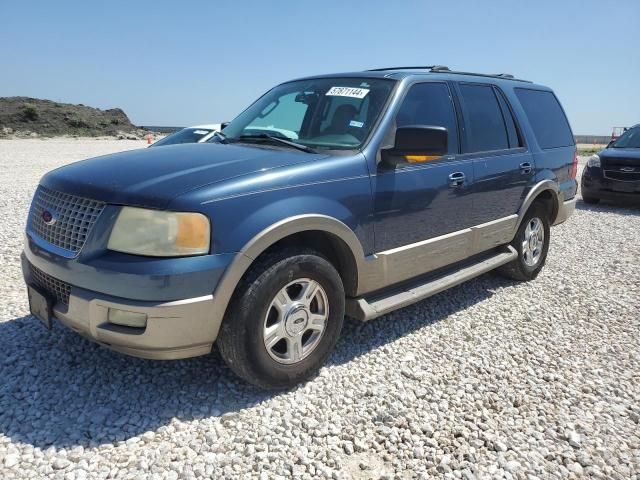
(445, 69)
(428, 67)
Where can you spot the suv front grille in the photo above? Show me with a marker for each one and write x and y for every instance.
(616, 162)
(624, 176)
(73, 218)
(55, 288)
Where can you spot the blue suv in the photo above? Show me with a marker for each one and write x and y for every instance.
(355, 193)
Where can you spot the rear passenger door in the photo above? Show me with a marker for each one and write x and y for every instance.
(502, 166)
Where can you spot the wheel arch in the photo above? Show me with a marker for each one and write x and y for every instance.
(329, 236)
(546, 192)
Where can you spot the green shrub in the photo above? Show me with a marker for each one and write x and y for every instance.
(30, 112)
(77, 123)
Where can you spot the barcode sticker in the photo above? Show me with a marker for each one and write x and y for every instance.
(353, 92)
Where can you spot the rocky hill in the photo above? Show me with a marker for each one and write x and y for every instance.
(24, 116)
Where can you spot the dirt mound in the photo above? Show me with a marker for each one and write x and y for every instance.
(24, 116)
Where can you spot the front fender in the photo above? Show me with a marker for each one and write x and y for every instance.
(301, 223)
(247, 223)
(251, 217)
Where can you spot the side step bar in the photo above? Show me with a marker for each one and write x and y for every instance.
(363, 309)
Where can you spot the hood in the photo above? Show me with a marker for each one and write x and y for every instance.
(621, 156)
(152, 177)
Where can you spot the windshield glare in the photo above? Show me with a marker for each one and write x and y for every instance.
(331, 113)
(629, 139)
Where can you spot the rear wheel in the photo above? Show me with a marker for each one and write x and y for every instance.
(532, 244)
(284, 319)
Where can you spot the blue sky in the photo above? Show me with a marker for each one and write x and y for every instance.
(182, 63)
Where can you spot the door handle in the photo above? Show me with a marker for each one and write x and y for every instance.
(525, 168)
(456, 179)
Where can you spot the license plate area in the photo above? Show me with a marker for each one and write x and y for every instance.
(626, 187)
(40, 305)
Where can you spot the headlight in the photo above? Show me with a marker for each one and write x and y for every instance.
(594, 161)
(159, 233)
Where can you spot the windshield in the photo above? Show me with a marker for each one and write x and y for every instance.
(629, 139)
(186, 135)
(329, 113)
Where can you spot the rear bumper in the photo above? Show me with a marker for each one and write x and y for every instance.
(565, 210)
(175, 329)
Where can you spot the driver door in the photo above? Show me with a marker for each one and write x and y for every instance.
(418, 202)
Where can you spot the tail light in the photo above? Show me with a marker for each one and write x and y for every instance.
(573, 170)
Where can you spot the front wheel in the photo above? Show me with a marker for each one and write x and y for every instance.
(590, 200)
(586, 198)
(532, 244)
(284, 319)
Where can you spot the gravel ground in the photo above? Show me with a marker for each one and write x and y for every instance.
(490, 379)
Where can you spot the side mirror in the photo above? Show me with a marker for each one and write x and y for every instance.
(417, 144)
(610, 143)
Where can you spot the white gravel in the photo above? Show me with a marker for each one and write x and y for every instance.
(491, 379)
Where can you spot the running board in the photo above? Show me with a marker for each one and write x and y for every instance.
(363, 309)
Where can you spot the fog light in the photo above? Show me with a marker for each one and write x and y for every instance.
(127, 319)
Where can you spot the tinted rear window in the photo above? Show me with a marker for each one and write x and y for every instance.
(546, 117)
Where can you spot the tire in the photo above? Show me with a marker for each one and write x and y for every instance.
(530, 261)
(276, 347)
(590, 200)
(586, 198)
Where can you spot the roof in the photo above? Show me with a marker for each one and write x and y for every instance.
(434, 71)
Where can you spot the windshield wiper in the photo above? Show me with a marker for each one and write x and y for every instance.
(264, 136)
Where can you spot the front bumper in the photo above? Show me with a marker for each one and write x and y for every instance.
(611, 196)
(596, 185)
(175, 329)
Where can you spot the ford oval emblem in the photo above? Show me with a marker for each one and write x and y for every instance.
(49, 218)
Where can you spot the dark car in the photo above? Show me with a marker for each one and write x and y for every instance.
(614, 173)
(355, 193)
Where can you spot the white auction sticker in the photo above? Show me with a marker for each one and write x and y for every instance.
(353, 92)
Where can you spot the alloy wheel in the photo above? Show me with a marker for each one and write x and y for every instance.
(533, 242)
(295, 321)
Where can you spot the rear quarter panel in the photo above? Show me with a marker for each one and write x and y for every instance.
(550, 163)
